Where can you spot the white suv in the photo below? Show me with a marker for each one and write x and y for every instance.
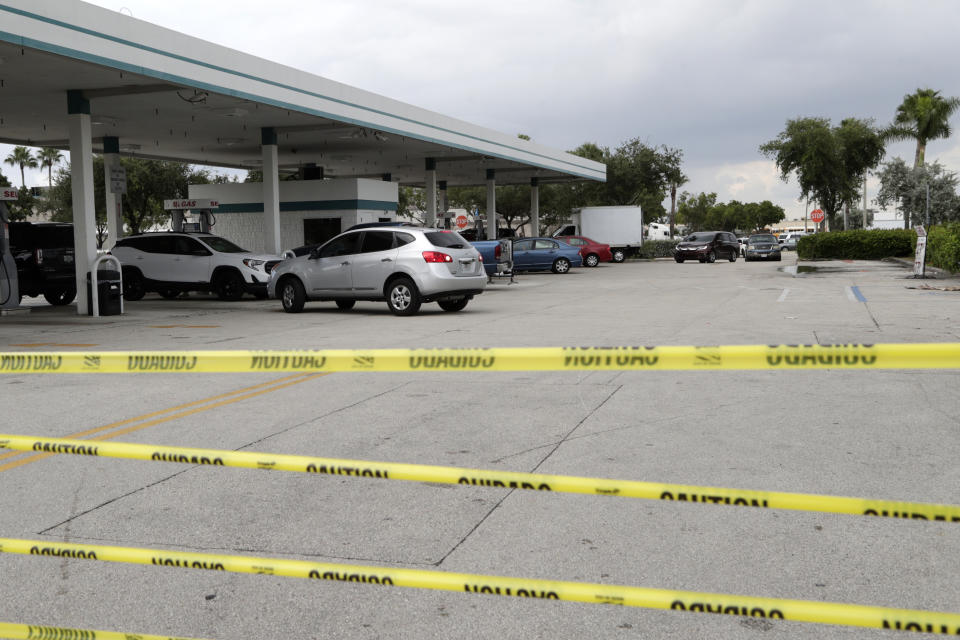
(405, 266)
(171, 263)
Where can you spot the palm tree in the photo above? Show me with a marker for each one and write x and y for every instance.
(47, 157)
(24, 158)
(923, 116)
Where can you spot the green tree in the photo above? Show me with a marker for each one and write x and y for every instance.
(829, 162)
(906, 189)
(694, 210)
(922, 116)
(149, 183)
(21, 157)
(47, 158)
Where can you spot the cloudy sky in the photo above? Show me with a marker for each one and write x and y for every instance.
(715, 78)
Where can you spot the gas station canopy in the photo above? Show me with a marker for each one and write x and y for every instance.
(167, 95)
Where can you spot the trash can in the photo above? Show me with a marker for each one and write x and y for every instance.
(108, 293)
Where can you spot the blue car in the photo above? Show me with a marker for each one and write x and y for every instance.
(541, 254)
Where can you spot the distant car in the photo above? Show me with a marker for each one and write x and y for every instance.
(172, 262)
(592, 252)
(743, 244)
(44, 256)
(762, 246)
(707, 246)
(541, 254)
(788, 241)
(405, 266)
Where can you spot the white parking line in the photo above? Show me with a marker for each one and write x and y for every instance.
(850, 295)
(783, 296)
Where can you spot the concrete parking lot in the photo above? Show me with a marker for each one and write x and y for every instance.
(876, 434)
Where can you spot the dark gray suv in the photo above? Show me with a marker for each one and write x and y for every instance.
(707, 246)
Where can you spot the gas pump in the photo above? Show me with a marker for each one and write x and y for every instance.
(9, 284)
(202, 209)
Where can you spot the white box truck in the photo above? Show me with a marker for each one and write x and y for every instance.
(620, 227)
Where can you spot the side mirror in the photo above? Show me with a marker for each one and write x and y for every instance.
(314, 253)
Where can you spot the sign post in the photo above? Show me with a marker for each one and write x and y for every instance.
(921, 254)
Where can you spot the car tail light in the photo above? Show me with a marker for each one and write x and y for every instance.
(436, 256)
(480, 255)
(498, 251)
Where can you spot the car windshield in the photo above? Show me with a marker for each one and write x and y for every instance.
(763, 238)
(222, 245)
(700, 237)
(448, 239)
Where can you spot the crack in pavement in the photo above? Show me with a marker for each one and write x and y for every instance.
(496, 506)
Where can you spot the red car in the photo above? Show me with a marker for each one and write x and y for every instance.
(593, 253)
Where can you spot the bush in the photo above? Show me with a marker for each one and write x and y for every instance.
(657, 249)
(943, 247)
(875, 244)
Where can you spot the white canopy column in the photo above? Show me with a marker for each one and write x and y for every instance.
(81, 176)
(271, 190)
(111, 158)
(535, 206)
(431, 188)
(491, 204)
(442, 185)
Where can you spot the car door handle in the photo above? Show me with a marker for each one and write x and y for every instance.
(386, 259)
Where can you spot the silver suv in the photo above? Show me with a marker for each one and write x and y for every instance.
(405, 266)
(173, 262)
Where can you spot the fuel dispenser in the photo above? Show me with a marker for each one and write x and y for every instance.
(9, 284)
(191, 215)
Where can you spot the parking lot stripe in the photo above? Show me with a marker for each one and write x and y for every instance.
(180, 411)
(783, 296)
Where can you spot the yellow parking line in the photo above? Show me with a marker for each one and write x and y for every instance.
(182, 411)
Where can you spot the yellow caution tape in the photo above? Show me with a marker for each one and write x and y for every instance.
(487, 478)
(738, 357)
(798, 610)
(38, 632)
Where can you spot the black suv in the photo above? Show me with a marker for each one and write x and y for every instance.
(44, 256)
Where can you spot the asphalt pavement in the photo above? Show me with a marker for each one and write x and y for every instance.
(889, 435)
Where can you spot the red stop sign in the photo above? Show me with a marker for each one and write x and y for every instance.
(817, 215)
(461, 222)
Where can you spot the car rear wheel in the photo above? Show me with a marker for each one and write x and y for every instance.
(345, 305)
(561, 265)
(733, 256)
(457, 304)
(229, 286)
(712, 257)
(292, 295)
(678, 259)
(59, 296)
(133, 287)
(592, 260)
(619, 255)
(403, 299)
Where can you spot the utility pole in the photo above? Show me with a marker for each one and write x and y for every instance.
(806, 212)
(864, 200)
(928, 205)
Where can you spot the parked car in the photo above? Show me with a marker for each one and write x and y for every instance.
(742, 240)
(45, 260)
(405, 266)
(707, 246)
(788, 241)
(497, 256)
(541, 254)
(173, 262)
(592, 252)
(762, 246)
